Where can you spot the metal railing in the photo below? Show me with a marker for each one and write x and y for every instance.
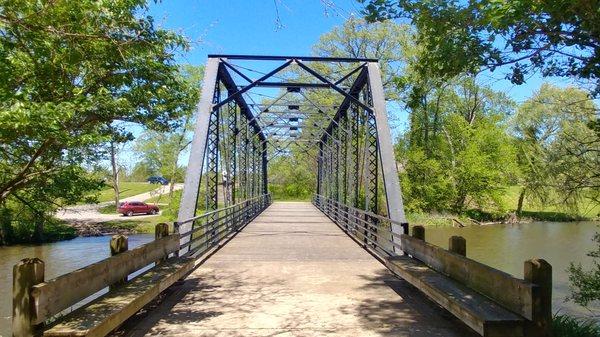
(212, 227)
(372, 230)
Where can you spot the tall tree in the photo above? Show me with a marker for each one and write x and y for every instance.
(457, 153)
(69, 69)
(559, 152)
(161, 150)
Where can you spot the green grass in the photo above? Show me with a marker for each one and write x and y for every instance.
(145, 225)
(567, 326)
(164, 198)
(128, 189)
(588, 209)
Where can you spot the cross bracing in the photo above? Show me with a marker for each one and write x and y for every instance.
(257, 108)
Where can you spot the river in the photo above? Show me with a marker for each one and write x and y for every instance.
(59, 257)
(504, 247)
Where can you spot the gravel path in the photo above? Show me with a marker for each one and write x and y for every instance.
(89, 213)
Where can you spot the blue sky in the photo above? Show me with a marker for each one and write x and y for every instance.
(252, 27)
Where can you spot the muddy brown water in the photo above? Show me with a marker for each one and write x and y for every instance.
(504, 247)
(59, 257)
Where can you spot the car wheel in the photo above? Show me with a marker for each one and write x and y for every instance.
(153, 212)
(130, 213)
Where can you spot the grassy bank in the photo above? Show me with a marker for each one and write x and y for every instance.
(141, 226)
(23, 232)
(128, 189)
(588, 211)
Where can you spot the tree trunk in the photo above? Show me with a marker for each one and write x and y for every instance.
(38, 232)
(115, 172)
(173, 174)
(520, 202)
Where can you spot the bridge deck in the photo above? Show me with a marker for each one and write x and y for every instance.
(292, 272)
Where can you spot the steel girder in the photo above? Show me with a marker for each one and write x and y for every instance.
(354, 153)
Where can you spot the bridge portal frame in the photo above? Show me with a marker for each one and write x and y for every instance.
(359, 125)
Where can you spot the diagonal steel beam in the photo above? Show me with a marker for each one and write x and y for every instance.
(332, 85)
(253, 84)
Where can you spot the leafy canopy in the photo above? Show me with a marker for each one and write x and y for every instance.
(68, 70)
(558, 38)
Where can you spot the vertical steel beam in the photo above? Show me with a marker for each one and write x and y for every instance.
(189, 198)
(265, 176)
(320, 170)
(391, 181)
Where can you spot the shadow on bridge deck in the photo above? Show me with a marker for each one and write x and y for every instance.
(292, 272)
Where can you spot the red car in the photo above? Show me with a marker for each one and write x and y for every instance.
(130, 208)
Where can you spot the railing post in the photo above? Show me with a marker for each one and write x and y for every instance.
(118, 245)
(161, 230)
(26, 274)
(404, 226)
(418, 232)
(458, 245)
(539, 272)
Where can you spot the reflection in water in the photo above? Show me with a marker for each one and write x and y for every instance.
(59, 257)
(506, 247)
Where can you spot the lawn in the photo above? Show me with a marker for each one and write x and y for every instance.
(588, 208)
(164, 198)
(128, 189)
(142, 225)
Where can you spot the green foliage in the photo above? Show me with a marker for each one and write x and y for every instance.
(457, 152)
(388, 42)
(292, 177)
(585, 284)
(160, 151)
(558, 38)
(567, 326)
(23, 231)
(558, 151)
(70, 69)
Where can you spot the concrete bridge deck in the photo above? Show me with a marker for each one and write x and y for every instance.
(292, 272)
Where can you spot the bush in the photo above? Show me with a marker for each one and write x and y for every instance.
(567, 326)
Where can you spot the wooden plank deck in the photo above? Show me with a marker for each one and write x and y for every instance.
(292, 272)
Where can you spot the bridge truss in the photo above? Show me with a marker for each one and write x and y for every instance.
(255, 109)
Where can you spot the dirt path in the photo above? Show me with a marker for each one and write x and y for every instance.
(89, 213)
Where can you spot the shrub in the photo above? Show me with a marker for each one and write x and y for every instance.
(568, 326)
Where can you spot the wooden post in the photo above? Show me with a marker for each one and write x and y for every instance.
(118, 245)
(539, 272)
(26, 274)
(458, 245)
(161, 230)
(418, 232)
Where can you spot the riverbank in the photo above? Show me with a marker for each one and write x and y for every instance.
(17, 233)
(57, 230)
(479, 218)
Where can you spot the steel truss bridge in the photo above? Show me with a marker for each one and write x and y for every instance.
(237, 264)
(254, 109)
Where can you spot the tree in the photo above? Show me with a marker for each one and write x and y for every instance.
(457, 154)
(558, 38)
(69, 69)
(558, 151)
(389, 42)
(161, 150)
